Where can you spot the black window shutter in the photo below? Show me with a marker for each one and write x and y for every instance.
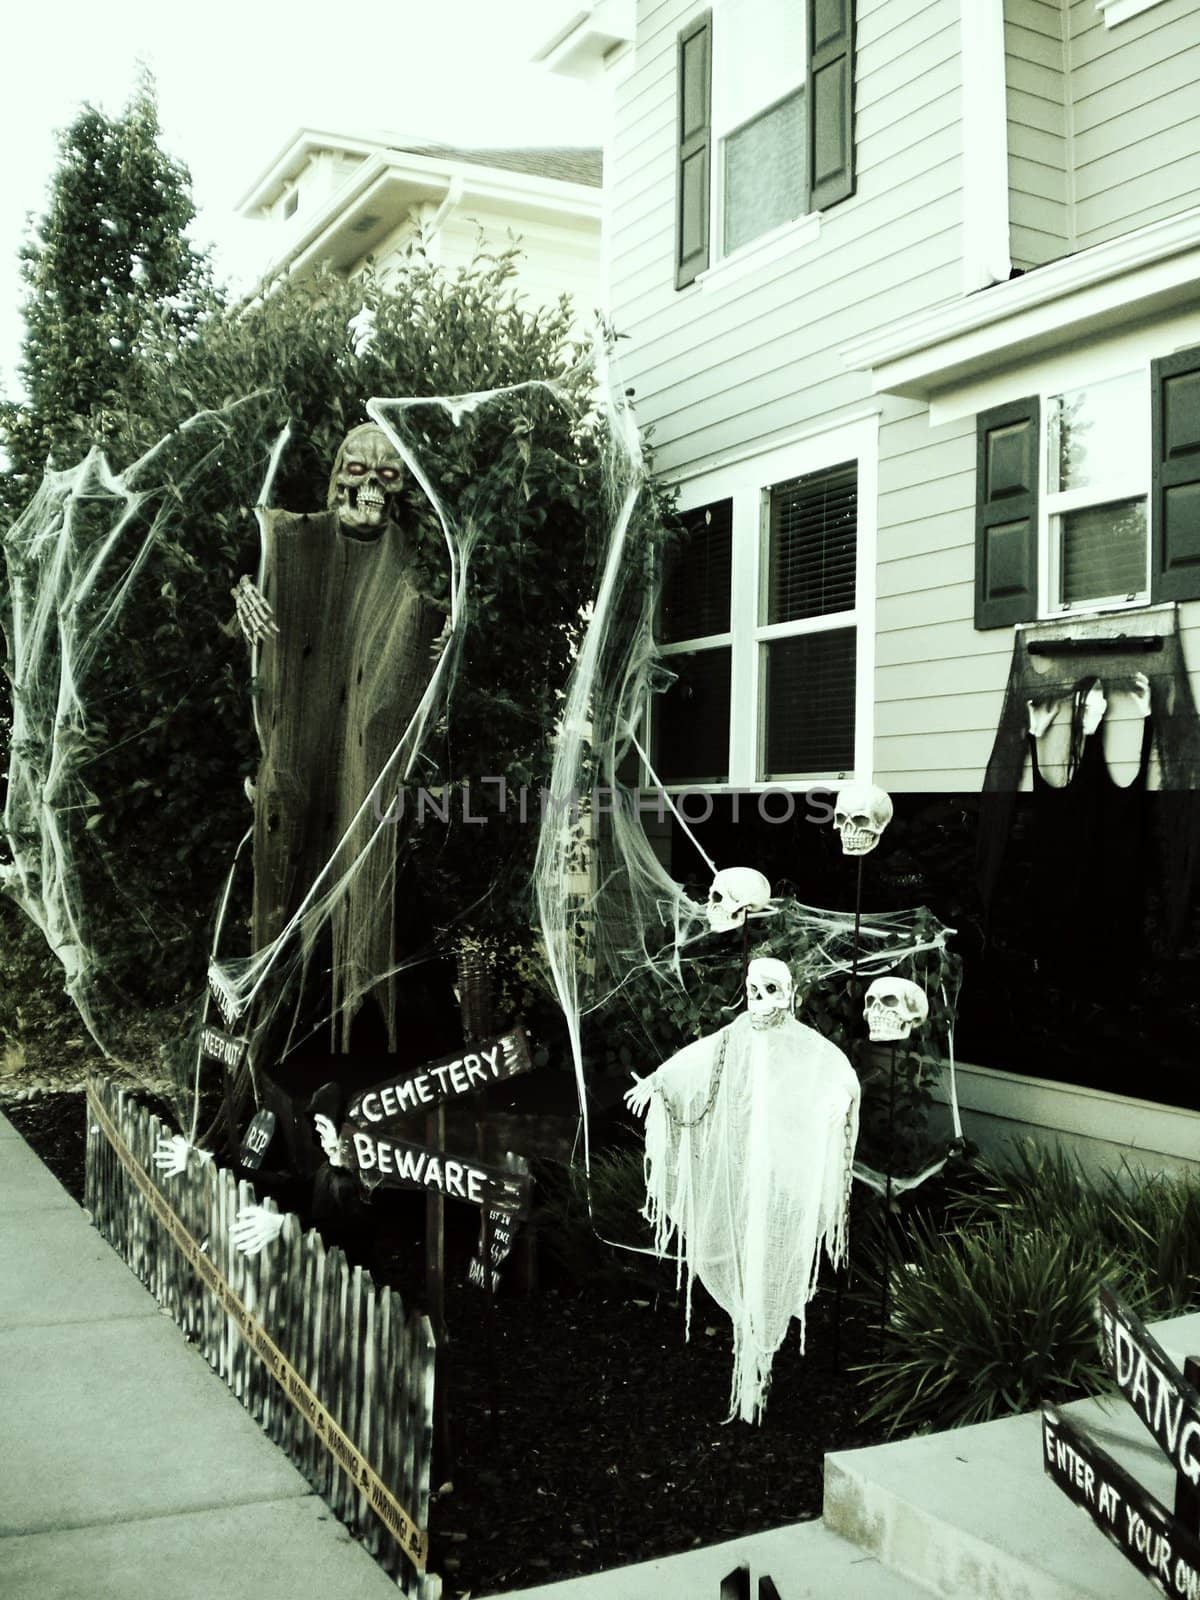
(1006, 514)
(694, 131)
(1175, 485)
(830, 100)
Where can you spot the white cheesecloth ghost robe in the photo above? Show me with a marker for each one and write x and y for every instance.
(748, 1164)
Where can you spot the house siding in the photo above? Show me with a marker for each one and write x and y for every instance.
(1136, 117)
(1039, 195)
(739, 362)
(1103, 123)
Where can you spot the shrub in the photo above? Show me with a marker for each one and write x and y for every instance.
(992, 1321)
(995, 1312)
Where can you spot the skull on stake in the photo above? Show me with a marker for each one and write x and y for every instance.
(894, 1007)
(769, 991)
(861, 812)
(736, 893)
(366, 480)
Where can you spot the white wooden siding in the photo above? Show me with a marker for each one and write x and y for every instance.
(1130, 171)
(1039, 207)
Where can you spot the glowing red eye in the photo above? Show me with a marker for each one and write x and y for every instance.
(388, 474)
(355, 469)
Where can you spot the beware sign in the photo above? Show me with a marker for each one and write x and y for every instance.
(490, 1061)
(381, 1158)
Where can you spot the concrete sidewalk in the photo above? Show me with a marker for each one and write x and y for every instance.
(127, 1468)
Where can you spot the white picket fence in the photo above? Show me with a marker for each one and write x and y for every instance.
(351, 1342)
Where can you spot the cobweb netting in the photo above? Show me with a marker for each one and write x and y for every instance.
(629, 947)
(350, 747)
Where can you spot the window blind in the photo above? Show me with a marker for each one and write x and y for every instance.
(691, 720)
(809, 690)
(813, 545)
(695, 599)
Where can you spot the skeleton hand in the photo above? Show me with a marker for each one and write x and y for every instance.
(1095, 704)
(442, 640)
(171, 1154)
(335, 1150)
(1140, 694)
(255, 1228)
(254, 614)
(1041, 716)
(639, 1097)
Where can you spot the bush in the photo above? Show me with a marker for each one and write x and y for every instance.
(995, 1314)
(992, 1321)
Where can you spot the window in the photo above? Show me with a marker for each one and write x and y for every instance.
(1089, 498)
(766, 86)
(762, 624)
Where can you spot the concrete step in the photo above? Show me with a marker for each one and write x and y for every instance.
(971, 1511)
(806, 1561)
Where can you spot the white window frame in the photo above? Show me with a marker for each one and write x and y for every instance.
(1131, 482)
(774, 241)
(748, 482)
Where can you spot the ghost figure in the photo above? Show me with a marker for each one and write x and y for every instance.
(750, 1136)
(861, 812)
(736, 893)
(894, 1007)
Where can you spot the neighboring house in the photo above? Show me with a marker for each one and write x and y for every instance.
(330, 200)
(912, 297)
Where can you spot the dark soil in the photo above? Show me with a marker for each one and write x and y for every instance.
(54, 1125)
(585, 1432)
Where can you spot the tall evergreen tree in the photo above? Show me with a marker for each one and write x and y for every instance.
(109, 262)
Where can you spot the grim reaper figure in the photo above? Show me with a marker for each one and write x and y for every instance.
(345, 641)
(750, 1136)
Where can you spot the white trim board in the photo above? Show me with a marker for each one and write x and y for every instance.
(1135, 1126)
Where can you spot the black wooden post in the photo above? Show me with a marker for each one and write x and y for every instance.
(435, 1293)
(1187, 1494)
(840, 1273)
(887, 1203)
(735, 1585)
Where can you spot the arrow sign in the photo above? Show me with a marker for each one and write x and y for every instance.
(1154, 1386)
(1142, 1530)
(230, 1052)
(382, 1159)
(462, 1073)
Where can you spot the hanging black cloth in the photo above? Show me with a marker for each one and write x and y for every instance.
(1088, 847)
(1173, 727)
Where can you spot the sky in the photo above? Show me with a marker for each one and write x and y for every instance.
(235, 80)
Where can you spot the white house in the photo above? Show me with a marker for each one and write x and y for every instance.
(343, 201)
(912, 297)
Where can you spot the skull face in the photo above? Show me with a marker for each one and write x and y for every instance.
(894, 1007)
(861, 812)
(736, 893)
(366, 480)
(769, 990)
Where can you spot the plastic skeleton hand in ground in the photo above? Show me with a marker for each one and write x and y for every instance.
(171, 1154)
(255, 1228)
(750, 1137)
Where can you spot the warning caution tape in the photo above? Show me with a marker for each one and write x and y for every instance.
(411, 1539)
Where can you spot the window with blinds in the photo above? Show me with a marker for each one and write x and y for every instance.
(809, 675)
(696, 583)
(691, 721)
(812, 545)
(808, 694)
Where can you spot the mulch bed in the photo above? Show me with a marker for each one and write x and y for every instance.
(587, 1433)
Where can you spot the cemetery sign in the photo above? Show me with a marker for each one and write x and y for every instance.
(451, 1076)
